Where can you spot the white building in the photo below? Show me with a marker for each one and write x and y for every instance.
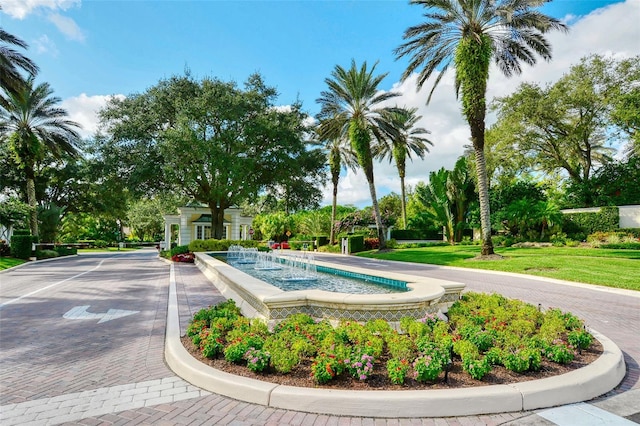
(194, 223)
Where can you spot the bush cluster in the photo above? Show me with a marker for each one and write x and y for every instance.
(219, 245)
(21, 243)
(483, 331)
(606, 220)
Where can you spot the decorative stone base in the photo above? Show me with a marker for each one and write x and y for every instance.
(259, 299)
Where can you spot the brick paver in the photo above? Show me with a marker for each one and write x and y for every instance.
(54, 371)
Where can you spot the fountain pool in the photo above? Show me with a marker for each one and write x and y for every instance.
(259, 299)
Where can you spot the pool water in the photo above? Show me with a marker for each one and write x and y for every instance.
(327, 279)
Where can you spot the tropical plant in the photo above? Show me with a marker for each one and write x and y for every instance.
(11, 61)
(447, 197)
(339, 154)
(35, 127)
(403, 139)
(467, 35)
(351, 107)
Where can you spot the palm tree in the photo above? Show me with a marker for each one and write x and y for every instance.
(35, 127)
(351, 108)
(339, 154)
(403, 139)
(11, 61)
(471, 33)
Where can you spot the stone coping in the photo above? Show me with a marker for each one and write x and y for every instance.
(423, 291)
(579, 385)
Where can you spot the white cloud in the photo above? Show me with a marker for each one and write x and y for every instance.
(612, 30)
(19, 9)
(45, 45)
(67, 26)
(84, 109)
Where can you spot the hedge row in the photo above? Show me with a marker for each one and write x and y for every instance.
(21, 243)
(606, 220)
(219, 245)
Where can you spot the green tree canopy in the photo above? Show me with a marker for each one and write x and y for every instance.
(214, 142)
(573, 124)
(37, 129)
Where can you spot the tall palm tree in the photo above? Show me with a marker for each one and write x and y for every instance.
(351, 108)
(339, 154)
(11, 61)
(403, 139)
(35, 127)
(468, 34)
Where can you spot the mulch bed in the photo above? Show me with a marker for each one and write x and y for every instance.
(301, 375)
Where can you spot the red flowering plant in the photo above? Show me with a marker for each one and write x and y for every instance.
(184, 257)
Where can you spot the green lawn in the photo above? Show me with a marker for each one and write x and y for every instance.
(612, 268)
(8, 262)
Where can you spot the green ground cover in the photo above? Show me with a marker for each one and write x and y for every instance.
(612, 268)
(8, 262)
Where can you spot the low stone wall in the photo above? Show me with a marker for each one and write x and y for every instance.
(259, 299)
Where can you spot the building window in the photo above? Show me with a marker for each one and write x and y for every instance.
(203, 232)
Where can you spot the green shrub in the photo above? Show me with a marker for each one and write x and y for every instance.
(607, 219)
(219, 245)
(283, 359)
(325, 368)
(257, 359)
(179, 250)
(212, 345)
(66, 251)
(429, 365)
(559, 352)
(476, 367)
(21, 245)
(234, 352)
(397, 370)
(356, 243)
(416, 234)
(46, 254)
(580, 339)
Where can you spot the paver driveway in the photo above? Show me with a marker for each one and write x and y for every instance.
(90, 368)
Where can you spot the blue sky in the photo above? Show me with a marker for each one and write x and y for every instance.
(88, 50)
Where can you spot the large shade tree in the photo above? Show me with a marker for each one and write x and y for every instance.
(214, 142)
(468, 34)
(403, 138)
(36, 128)
(352, 107)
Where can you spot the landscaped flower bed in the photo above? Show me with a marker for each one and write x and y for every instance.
(487, 339)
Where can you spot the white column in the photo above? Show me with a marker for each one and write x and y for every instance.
(167, 235)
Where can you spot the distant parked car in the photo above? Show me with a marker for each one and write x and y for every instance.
(282, 245)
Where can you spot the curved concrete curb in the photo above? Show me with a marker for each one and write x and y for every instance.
(580, 385)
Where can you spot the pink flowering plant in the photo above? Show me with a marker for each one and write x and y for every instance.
(257, 359)
(360, 366)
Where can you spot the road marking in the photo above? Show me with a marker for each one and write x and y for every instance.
(51, 285)
(80, 312)
(582, 414)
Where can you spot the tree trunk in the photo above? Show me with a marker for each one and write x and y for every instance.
(31, 199)
(472, 70)
(334, 206)
(217, 221)
(403, 202)
(376, 210)
(483, 194)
